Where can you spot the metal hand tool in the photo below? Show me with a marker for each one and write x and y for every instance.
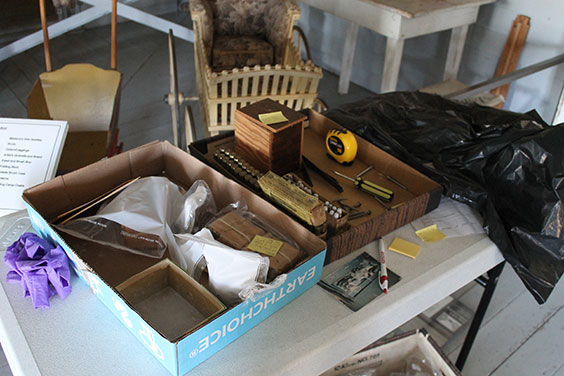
(370, 187)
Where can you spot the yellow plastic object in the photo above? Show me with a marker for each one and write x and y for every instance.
(341, 145)
(88, 98)
(82, 94)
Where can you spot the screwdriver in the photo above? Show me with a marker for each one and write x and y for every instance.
(370, 187)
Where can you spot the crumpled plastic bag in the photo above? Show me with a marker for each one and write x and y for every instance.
(230, 271)
(153, 214)
(41, 269)
(143, 218)
(509, 166)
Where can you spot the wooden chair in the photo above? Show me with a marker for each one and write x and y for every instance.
(84, 95)
(244, 52)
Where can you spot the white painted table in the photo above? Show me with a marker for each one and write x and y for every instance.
(398, 20)
(81, 336)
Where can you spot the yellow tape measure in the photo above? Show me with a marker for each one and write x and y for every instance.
(341, 145)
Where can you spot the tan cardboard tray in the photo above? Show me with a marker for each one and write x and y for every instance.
(170, 299)
(421, 196)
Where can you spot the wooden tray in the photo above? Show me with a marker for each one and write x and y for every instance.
(421, 196)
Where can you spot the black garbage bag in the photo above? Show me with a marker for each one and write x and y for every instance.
(509, 166)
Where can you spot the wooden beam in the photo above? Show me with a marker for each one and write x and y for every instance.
(507, 78)
(46, 47)
(113, 58)
(511, 52)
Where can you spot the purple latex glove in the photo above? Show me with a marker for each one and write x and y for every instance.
(39, 267)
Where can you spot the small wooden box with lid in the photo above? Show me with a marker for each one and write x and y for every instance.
(267, 145)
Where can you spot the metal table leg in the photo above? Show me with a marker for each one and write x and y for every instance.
(489, 284)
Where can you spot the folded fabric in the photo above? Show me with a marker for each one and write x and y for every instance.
(39, 267)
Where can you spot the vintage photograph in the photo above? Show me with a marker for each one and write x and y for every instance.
(356, 283)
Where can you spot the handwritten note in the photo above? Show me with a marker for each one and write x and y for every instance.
(29, 155)
(264, 245)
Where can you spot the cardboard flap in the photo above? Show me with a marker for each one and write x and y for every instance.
(112, 265)
(82, 94)
(81, 186)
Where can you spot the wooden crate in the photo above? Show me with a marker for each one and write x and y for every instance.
(270, 147)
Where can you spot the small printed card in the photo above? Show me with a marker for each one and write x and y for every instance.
(356, 283)
(272, 117)
(264, 245)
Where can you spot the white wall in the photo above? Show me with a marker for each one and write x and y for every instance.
(424, 57)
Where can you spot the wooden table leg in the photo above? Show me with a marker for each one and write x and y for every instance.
(392, 61)
(455, 50)
(348, 56)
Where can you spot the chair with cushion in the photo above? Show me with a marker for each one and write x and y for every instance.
(244, 52)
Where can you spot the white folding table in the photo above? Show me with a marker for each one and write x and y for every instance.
(79, 335)
(399, 20)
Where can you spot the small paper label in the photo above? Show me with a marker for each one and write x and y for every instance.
(272, 117)
(430, 234)
(264, 245)
(405, 248)
(289, 196)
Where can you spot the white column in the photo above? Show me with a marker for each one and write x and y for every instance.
(348, 57)
(455, 50)
(392, 61)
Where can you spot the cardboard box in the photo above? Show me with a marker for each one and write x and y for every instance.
(421, 196)
(170, 300)
(391, 356)
(104, 269)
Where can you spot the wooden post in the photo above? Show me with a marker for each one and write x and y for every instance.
(46, 47)
(511, 52)
(113, 62)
